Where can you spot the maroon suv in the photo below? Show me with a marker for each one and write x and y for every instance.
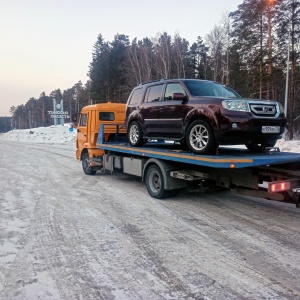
(202, 115)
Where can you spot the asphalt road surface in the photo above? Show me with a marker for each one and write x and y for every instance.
(65, 235)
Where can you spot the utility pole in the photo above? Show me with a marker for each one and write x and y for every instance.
(270, 2)
(29, 120)
(287, 76)
(89, 87)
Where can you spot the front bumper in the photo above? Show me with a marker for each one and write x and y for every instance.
(242, 131)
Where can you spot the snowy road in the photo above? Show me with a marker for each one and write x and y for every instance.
(64, 235)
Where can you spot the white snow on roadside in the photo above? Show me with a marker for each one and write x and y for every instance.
(60, 134)
(53, 134)
(288, 146)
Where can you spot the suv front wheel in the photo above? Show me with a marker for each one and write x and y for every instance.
(200, 138)
(135, 134)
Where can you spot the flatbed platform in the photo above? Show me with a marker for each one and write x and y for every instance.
(226, 158)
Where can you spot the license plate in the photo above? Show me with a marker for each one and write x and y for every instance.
(270, 129)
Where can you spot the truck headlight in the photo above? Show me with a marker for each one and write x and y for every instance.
(237, 105)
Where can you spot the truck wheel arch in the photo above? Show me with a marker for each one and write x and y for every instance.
(83, 151)
(170, 183)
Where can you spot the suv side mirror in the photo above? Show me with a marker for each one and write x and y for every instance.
(179, 96)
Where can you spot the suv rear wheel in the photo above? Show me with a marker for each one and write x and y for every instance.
(135, 134)
(200, 138)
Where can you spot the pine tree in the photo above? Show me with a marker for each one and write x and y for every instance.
(118, 89)
(99, 68)
(250, 40)
(198, 59)
(288, 32)
(180, 51)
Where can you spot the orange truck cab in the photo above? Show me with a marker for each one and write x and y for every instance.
(90, 119)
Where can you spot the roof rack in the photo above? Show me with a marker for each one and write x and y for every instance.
(162, 79)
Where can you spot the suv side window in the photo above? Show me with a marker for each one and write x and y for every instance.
(173, 88)
(136, 95)
(154, 93)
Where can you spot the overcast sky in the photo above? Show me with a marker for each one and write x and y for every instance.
(47, 44)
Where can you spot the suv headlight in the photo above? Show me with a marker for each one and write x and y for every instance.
(281, 110)
(237, 105)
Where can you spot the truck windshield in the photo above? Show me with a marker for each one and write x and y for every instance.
(211, 89)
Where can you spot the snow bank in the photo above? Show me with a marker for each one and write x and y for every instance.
(288, 146)
(54, 135)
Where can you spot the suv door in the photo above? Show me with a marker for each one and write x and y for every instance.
(172, 112)
(150, 109)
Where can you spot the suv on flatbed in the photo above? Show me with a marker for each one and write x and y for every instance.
(201, 115)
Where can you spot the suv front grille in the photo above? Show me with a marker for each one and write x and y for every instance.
(263, 109)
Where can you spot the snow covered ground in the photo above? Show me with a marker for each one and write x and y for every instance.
(65, 235)
(61, 134)
(53, 134)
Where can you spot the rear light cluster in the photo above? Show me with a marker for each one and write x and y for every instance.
(279, 186)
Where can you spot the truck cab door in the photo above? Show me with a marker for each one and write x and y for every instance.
(82, 131)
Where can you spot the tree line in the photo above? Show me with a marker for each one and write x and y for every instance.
(5, 124)
(253, 50)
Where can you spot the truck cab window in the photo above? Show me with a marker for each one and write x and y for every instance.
(83, 120)
(106, 116)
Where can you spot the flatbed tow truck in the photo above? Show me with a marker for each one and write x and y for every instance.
(166, 168)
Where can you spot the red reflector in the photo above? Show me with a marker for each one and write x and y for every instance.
(279, 186)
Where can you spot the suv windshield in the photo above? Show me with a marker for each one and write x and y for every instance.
(203, 88)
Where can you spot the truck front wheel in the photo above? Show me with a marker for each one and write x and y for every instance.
(87, 168)
(155, 182)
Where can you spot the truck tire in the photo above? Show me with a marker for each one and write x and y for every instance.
(155, 183)
(135, 134)
(200, 138)
(87, 169)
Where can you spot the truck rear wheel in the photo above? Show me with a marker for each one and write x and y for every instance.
(87, 168)
(155, 182)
